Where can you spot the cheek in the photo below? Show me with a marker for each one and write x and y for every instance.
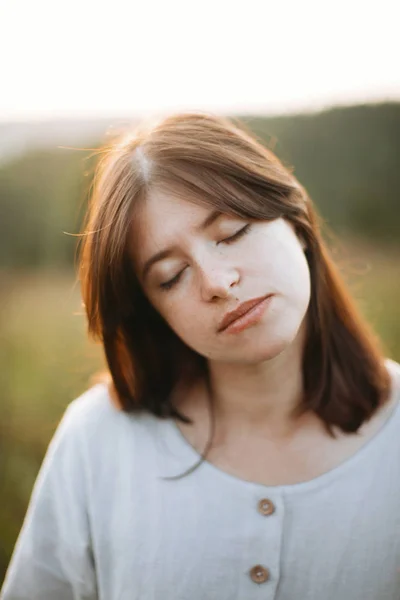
(294, 278)
(295, 283)
(285, 271)
(183, 316)
(191, 329)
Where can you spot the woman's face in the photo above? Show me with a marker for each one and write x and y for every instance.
(196, 266)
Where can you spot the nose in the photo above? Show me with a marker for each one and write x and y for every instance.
(217, 282)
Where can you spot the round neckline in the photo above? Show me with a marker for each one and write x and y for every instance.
(370, 445)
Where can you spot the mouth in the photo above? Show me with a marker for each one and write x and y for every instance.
(246, 314)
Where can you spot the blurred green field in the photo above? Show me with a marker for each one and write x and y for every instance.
(47, 361)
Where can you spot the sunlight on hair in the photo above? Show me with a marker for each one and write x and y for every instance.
(144, 163)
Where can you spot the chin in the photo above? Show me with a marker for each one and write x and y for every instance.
(258, 344)
(268, 352)
(252, 353)
(267, 346)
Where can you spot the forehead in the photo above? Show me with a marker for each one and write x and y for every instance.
(161, 219)
(166, 209)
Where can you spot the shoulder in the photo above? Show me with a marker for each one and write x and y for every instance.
(86, 412)
(81, 417)
(101, 427)
(95, 408)
(110, 446)
(90, 407)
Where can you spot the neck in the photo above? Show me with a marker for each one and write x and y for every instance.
(260, 397)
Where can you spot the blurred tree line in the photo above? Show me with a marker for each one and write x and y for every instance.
(347, 158)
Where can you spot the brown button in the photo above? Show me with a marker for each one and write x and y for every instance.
(259, 574)
(266, 507)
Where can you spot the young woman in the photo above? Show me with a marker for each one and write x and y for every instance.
(247, 442)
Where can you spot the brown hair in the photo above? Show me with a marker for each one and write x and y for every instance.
(214, 161)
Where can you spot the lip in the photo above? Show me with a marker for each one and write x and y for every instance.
(230, 319)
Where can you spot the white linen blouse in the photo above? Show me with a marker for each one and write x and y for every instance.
(103, 523)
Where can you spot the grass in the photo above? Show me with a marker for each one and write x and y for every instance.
(46, 362)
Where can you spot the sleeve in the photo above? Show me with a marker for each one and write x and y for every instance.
(52, 559)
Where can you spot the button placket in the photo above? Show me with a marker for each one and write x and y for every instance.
(260, 573)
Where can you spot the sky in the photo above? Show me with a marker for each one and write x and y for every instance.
(92, 58)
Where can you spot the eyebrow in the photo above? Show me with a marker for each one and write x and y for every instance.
(208, 221)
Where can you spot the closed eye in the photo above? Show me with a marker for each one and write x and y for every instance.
(237, 235)
(167, 285)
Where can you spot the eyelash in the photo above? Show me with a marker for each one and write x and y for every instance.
(167, 285)
(236, 235)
